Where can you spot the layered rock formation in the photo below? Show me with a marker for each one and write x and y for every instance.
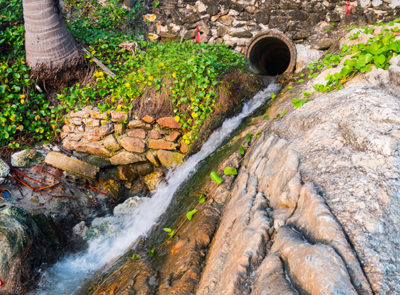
(315, 209)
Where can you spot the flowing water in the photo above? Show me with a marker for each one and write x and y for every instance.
(66, 276)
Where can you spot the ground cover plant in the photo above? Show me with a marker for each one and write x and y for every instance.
(182, 76)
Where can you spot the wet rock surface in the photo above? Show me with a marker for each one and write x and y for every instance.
(26, 242)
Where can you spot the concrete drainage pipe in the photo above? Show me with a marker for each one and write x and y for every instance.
(271, 53)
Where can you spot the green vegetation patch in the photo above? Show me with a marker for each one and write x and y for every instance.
(184, 75)
(25, 114)
(359, 58)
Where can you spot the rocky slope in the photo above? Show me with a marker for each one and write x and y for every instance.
(315, 209)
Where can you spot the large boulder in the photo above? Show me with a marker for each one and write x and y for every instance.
(26, 242)
(316, 202)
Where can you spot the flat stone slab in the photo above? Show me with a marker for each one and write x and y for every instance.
(71, 165)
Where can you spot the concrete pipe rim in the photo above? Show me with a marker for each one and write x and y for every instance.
(272, 47)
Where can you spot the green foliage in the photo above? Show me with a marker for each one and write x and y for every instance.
(190, 214)
(230, 171)
(215, 177)
(360, 58)
(152, 252)
(134, 256)
(202, 198)
(189, 71)
(241, 150)
(248, 136)
(25, 114)
(169, 231)
(298, 103)
(273, 95)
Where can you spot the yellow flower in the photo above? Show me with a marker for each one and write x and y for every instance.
(177, 118)
(22, 61)
(194, 115)
(12, 118)
(161, 64)
(22, 101)
(151, 78)
(22, 96)
(174, 75)
(127, 85)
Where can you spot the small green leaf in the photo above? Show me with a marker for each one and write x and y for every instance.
(152, 252)
(273, 95)
(241, 150)
(214, 176)
(202, 198)
(230, 171)
(134, 256)
(266, 116)
(170, 232)
(189, 215)
(248, 137)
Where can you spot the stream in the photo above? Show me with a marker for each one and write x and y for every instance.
(68, 275)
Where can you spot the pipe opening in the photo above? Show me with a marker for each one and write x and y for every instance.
(271, 54)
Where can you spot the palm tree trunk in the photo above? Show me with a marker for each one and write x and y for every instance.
(48, 43)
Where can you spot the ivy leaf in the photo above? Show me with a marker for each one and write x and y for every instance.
(379, 60)
(189, 215)
(202, 198)
(170, 232)
(248, 137)
(298, 103)
(214, 176)
(241, 150)
(230, 171)
(367, 68)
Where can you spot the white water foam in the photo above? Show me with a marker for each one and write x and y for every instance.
(68, 275)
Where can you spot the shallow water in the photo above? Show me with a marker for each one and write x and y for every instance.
(69, 274)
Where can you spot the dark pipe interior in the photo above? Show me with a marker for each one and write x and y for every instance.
(270, 56)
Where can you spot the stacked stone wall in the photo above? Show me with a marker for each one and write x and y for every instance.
(136, 147)
(235, 22)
